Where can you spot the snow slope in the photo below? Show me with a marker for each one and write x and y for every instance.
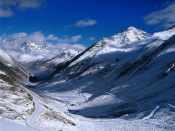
(45, 67)
(165, 34)
(15, 102)
(9, 126)
(114, 43)
(11, 66)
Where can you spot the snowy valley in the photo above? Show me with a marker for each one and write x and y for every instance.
(121, 83)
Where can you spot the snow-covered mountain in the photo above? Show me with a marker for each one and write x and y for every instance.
(114, 43)
(131, 34)
(125, 82)
(18, 104)
(116, 77)
(25, 49)
(45, 67)
(38, 57)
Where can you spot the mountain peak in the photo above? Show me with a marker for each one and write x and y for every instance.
(131, 34)
(131, 28)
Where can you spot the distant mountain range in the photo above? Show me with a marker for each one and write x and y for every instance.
(39, 58)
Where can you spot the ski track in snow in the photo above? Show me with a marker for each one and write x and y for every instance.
(151, 114)
(171, 106)
(39, 108)
(79, 90)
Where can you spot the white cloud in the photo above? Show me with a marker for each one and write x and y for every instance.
(78, 46)
(86, 22)
(37, 37)
(72, 39)
(25, 4)
(6, 6)
(30, 57)
(7, 3)
(166, 16)
(5, 13)
(75, 38)
(19, 45)
(52, 37)
(92, 38)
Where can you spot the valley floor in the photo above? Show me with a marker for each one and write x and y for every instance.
(59, 112)
(63, 106)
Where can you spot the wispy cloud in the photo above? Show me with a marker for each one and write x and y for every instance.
(92, 38)
(37, 37)
(72, 39)
(15, 45)
(26, 4)
(6, 12)
(86, 22)
(83, 23)
(165, 17)
(52, 37)
(76, 38)
(7, 5)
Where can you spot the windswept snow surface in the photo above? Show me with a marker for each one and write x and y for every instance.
(11, 126)
(89, 124)
(165, 34)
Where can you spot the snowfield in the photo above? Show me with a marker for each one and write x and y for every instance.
(11, 126)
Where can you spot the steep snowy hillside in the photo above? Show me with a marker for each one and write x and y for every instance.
(13, 68)
(44, 67)
(165, 34)
(15, 103)
(117, 43)
(19, 105)
(114, 43)
(132, 80)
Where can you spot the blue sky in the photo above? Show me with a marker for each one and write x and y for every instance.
(84, 21)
